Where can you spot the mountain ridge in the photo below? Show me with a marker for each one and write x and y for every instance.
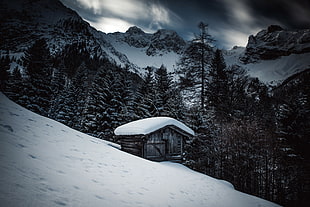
(26, 21)
(274, 42)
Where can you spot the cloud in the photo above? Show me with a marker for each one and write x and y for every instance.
(246, 17)
(131, 9)
(230, 22)
(300, 13)
(287, 13)
(230, 37)
(241, 22)
(148, 14)
(239, 12)
(109, 25)
(160, 15)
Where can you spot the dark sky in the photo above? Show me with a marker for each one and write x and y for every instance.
(230, 21)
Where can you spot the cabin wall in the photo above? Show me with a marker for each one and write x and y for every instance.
(164, 144)
(155, 147)
(132, 144)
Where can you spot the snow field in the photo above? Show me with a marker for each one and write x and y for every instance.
(139, 57)
(270, 71)
(44, 163)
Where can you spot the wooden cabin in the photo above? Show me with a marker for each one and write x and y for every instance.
(157, 139)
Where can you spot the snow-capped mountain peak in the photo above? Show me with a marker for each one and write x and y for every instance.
(61, 26)
(166, 41)
(274, 42)
(273, 54)
(134, 30)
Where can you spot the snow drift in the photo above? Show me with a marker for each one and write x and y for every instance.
(44, 163)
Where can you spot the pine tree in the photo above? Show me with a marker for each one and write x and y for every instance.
(218, 87)
(38, 68)
(58, 86)
(128, 96)
(194, 62)
(146, 95)
(75, 55)
(237, 96)
(293, 129)
(64, 106)
(109, 103)
(202, 150)
(14, 87)
(4, 68)
(259, 103)
(162, 91)
(176, 103)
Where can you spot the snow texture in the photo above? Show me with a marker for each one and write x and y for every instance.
(137, 55)
(270, 71)
(149, 125)
(44, 163)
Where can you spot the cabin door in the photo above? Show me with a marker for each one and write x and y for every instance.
(156, 150)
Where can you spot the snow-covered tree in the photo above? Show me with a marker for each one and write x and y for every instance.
(217, 92)
(37, 63)
(162, 91)
(145, 95)
(195, 62)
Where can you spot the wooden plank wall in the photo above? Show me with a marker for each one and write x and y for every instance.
(164, 144)
(132, 144)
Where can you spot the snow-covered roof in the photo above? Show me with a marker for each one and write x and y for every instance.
(149, 125)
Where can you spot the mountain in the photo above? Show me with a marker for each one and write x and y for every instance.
(273, 54)
(154, 44)
(24, 21)
(28, 20)
(143, 49)
(275, 42)
(44, 163)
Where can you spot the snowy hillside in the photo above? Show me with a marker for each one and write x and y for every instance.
(44, 163)
(138, 56)
(270, 71)
(145, 49)
(273, 54)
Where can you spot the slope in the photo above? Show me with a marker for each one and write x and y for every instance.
(139, 58)
(145, 49)
(44, 163)
(271, 71)
(274, 54)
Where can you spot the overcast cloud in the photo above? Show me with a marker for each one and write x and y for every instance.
(230, 21)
